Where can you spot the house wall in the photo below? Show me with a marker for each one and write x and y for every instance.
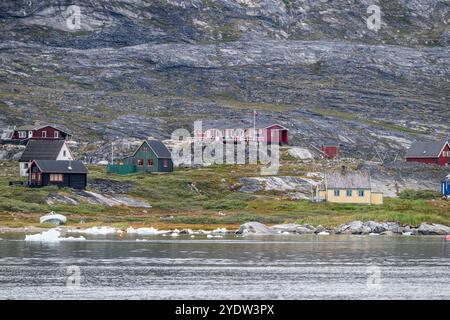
(50, 133)
(376, 198)
(73, 180)
(330, 152)
(343, 198)
(445, 187)
(23, 167)
(444, 158)
(65, 153)
(423, 160)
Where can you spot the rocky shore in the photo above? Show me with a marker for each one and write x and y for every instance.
(355, 227)
(256, 228)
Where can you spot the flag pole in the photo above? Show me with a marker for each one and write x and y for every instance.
(254, 125)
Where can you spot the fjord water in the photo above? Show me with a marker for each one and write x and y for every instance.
(276, 267)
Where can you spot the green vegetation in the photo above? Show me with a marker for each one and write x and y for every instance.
(208, 198)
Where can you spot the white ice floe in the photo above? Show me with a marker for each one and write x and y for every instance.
(323, 233)
(96, 230)
(51, 235)
(174, 234)
(409, 233)
(141, 240)
(374, 234)
(211, 236)
(220, 230)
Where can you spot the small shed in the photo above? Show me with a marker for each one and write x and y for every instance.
(70, 174)
(330, 150)
(445, 186)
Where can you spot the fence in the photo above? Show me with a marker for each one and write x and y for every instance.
(121, 168)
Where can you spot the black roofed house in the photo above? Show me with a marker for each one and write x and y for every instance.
(62, 173)
(151, 156)
(43, 150)
(430, 152)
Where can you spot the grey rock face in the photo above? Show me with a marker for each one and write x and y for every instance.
(433, 229)
(294, 228)
(255, 228)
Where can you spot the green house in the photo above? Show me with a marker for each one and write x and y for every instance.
(151, 156)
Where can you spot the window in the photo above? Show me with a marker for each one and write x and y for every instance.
(44, 134)
(64, 153)
(140, 162)
(145, 149)
(361, 193)
(56, 134)
(150, 162)
(165, 163)
(25, 165)
(56, 177)
(349, 192)
(30, 134)
(22, 134)
(337, 193)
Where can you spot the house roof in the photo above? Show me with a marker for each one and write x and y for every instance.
(158, 148)
(426, 149)
(348, 180)
(447, 178)
(61, 166)
(42, 150)
(33, 127)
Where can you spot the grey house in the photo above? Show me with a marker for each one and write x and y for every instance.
(61, 173)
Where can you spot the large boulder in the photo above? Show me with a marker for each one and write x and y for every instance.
(294, 228)
(354, 227)
(255, 228)
(433, 229)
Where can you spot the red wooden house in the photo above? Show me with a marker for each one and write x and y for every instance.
(435, 152)
(330, 151)
(46, 132)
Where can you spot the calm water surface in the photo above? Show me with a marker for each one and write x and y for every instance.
(277, 267)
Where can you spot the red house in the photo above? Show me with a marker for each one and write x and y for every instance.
(46, 132)
(435, 152)
(330, 151)
(229, 132)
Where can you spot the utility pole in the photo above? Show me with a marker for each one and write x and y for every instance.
(112, 152)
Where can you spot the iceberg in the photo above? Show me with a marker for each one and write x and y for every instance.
(96, 230)
(51, 235)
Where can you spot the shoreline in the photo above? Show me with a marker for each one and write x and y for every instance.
(252, 228)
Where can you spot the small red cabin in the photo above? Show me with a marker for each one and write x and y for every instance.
(46, 132)
(435, 152)
(330, 151)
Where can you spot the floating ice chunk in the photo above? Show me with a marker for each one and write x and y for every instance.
(211, 236)
(174, 234)
(96, 230)
(408, 233)
(323, 233)
(141, 240)
(220, 230)
(131, 230)
(51, 235)
(147, 231)
(374, 234)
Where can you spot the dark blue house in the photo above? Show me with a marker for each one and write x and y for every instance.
(445, 186)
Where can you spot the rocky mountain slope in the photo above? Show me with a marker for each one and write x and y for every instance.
(144, 68)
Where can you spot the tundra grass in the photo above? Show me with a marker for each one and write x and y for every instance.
(207, 198)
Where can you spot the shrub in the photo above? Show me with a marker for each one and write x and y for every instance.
(419, 194)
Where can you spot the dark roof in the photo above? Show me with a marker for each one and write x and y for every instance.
(426, 149)
(158, 148)
(348, 180)
(61, 166)
(42, 150)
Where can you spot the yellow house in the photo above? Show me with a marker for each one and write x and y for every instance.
(349, 187)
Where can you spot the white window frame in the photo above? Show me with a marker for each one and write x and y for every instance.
(44, 134)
